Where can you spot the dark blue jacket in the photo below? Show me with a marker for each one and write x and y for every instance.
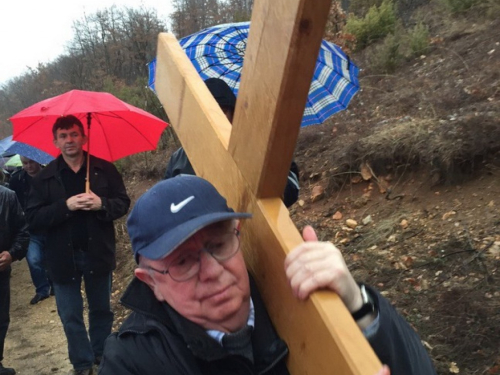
(156, 340)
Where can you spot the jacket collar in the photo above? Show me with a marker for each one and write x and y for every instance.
(52, 169)
(268, 348)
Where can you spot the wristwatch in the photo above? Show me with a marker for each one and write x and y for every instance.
(368, 306)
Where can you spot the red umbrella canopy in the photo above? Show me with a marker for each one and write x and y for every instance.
(117, 129)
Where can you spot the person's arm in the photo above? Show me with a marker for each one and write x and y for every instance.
(15, 185)
(117, 203)
(397, 344)
(119, 359)
(291, 193)
(144, 354)
(19, 227)
(317, 265)
(41, 214)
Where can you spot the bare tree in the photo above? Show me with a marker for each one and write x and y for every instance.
(109, 51)
(115, 42)
(191, 16)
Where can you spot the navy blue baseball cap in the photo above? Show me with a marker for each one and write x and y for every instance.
(172, 211)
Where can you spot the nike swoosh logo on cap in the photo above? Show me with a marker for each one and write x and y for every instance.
(174, 208)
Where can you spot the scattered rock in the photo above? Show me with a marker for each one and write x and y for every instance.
(361, 201)
(337, 215)
(367, 220)
(351, 223)
(454, 368)
(356, 179)
(366, 171)
(318, 192)
(494, 250)
(391, 238)
(301, 203)
(383, 186)
(448, 214)
(404, 224)
(314, 176)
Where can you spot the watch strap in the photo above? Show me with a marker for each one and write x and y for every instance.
(368, 306)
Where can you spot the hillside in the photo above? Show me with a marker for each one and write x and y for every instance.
(415, 162)
(416, 158)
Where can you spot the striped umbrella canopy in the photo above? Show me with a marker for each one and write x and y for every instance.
(218, 52)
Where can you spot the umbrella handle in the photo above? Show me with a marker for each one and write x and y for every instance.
(87, 180)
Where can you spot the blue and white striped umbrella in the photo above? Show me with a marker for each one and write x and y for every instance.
(218, 52)
(10, 147)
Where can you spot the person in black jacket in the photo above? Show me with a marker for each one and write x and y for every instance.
(14, 239)
(80, 238)
(197, 311)
(20, 182)
(180, 164)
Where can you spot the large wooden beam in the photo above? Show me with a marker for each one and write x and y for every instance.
(321, 334)
(283, 45)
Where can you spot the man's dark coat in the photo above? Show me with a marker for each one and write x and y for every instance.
(47, 211)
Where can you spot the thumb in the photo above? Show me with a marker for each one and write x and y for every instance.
(308, 234)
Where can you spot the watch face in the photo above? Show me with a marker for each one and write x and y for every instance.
(364, 295)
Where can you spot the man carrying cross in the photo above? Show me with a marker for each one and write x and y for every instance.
(196, 310)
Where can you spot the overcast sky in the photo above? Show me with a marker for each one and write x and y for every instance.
(33, 31)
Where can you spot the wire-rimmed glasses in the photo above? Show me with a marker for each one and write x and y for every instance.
(187, 266)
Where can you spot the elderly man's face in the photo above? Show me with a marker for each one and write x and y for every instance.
(218, 297)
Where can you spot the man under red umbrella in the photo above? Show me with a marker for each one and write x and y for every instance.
(80, 238)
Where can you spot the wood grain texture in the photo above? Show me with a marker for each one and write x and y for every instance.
(283, 45)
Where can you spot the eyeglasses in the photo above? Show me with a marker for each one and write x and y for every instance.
(187, 266)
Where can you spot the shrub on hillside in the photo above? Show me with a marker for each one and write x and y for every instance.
(361, 7)
(334, 29)
(403, 44)
(378, 22)
(459, 6)
(417, 40)
(386, 56)
(493, 9)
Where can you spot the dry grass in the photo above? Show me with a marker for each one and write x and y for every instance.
(451, 151)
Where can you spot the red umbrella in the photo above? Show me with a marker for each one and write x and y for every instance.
(118, 129)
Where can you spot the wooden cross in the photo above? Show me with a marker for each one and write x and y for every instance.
(248, 163)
